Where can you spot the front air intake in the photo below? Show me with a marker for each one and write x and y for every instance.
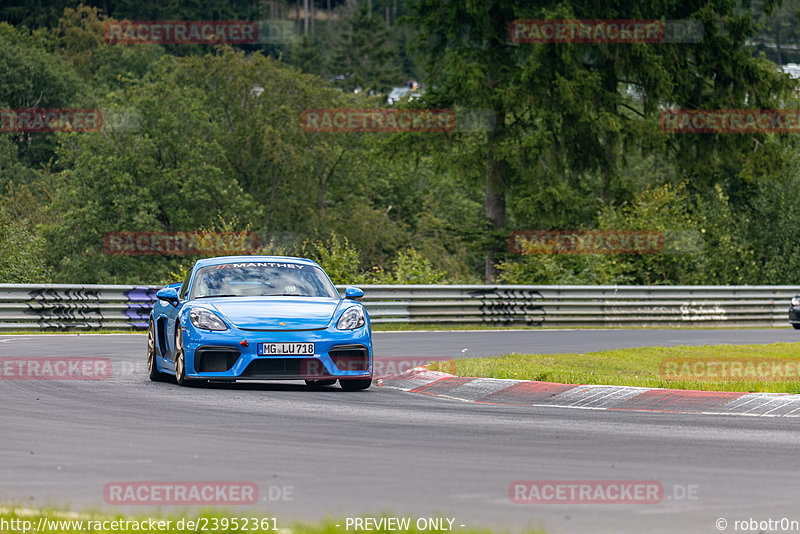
(215, 359)
(350, 357)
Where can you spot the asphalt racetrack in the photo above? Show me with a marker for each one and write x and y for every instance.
(330, 453)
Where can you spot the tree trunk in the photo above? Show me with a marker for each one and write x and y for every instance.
(272, 191)
(610, 139)
(305, 17)
(495, 199)
(323, 185)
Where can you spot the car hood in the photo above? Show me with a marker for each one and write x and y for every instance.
(267, 313)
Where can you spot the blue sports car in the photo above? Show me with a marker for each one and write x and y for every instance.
(260, 318)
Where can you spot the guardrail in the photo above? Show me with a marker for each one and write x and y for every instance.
(91, 307)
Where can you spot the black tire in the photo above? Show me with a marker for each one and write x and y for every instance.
(152, 366)
(180, 362)
(355, 385)
(320, 383)
(796, 326)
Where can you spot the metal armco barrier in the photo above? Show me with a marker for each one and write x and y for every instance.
(92, 307)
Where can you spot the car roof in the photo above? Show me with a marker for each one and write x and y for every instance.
(253, 259)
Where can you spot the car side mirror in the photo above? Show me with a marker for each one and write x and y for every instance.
(168, 294)
(353, 293)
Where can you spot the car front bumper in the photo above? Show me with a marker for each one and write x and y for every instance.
(233, 354)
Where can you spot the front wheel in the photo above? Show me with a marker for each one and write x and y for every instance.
(180, 361)
(152, 366)
(355, 385)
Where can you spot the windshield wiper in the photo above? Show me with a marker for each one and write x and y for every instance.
(213, 296)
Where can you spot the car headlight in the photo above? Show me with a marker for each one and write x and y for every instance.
(352, 318)
(796, 301)
(206, 319)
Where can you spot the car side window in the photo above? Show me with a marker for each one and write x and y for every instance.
(185, 286)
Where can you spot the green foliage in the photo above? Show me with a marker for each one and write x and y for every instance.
(362, 55)
(201, 138)
(33, 77)
(161, 171)
(336, 255)
(78, 34)
(22, 258)
(306, 54)
(778, 27)
(409, 267)
(342, 261)
(545, 269)
(665, 209)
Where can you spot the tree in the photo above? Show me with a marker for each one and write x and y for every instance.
(203, 140)
(306, 54)
(779, 29)
(568, 109)
(34, 78)
(363, 58)
(79, 33)
(22, 252)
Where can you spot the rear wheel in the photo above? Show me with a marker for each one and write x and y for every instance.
(152, 366)
(796, 326)
(354, 385)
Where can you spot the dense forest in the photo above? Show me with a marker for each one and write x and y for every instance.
(209, 138)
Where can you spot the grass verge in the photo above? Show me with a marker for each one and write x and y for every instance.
(771, 368)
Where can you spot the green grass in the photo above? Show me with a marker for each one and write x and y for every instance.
(11, 521)
(391, 327)
(647, 367)
(400, 327)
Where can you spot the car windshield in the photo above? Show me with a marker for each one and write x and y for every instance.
(262, 279)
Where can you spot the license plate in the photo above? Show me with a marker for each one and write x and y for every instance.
(284, 349)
